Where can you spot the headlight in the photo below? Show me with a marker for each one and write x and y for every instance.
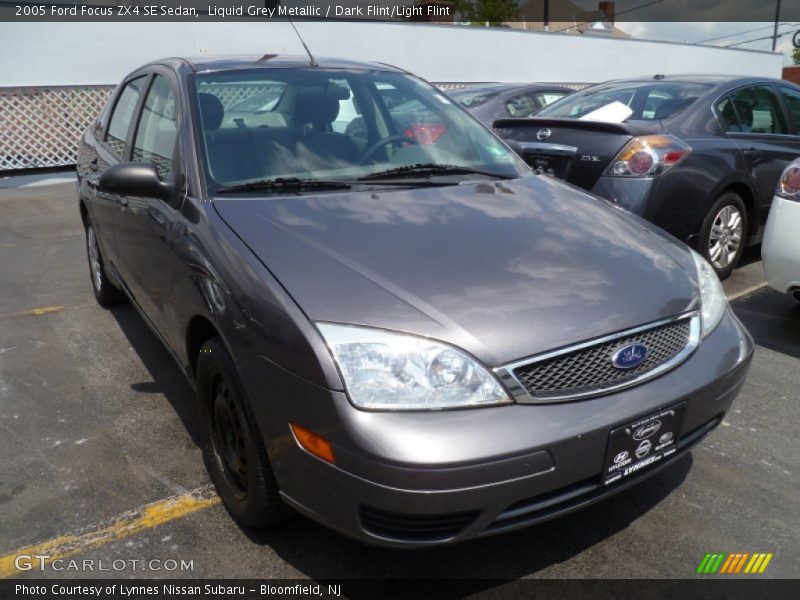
(393, 371)
(712, 297)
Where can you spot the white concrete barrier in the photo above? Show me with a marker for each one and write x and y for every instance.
(53, 54)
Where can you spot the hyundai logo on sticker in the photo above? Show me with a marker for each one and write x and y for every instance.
(645, 431)
(621, 456)
(629, 356)
(666, 437)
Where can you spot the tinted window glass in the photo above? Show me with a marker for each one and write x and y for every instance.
(759, 110)
(338, 124)
(547, 98)
(123, 113)
(792, 99)
(156, 133)
(648, 101)
(727, 115)
(470, 98)
(521, 106)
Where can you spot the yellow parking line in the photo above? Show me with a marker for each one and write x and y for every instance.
(125, 525)
(750, 290)
(34, 312)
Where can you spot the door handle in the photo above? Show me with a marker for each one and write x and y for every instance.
(753, 154)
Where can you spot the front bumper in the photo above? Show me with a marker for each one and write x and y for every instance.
(419, 479)
(780, 248)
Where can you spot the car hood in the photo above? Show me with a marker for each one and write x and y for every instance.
(503, 270)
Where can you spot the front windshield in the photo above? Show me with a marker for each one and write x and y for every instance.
(324, 125)
(648, 100)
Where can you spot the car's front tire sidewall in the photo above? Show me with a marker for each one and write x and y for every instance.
(259, 503)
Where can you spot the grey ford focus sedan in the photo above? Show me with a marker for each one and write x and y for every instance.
(397, 329)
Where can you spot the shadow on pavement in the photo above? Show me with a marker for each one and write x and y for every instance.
(773, 319)
(167, 377)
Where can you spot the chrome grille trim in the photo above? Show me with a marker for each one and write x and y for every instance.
(522, 396)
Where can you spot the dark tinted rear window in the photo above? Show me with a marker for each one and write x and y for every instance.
(648, 100)
(470, 98)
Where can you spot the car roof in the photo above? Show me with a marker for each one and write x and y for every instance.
(693, 78)
(284, 61)
(500, 87)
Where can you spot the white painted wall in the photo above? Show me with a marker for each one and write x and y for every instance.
(89, 53)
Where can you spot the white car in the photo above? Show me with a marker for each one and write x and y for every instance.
(780, 249)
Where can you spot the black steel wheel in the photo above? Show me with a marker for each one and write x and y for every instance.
(234, 452)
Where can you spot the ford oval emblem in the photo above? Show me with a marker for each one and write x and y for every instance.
(543, 134)
(629, 356)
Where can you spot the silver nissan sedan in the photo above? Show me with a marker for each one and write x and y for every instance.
(393, 325)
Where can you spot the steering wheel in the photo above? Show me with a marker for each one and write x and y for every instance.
(392, 139)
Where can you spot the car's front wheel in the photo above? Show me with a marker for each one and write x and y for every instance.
(724, 234)
(234, 454)
(105, 292)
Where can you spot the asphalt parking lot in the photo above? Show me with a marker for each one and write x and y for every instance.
(100, 458)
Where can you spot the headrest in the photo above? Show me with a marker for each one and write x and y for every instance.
(315, 106)
(211, 111)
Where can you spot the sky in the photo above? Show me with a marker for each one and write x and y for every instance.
(697, 32)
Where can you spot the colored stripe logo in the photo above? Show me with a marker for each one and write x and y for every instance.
(734, 563)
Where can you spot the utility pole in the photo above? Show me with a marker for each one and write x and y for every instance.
(546, 16)
(777, 20)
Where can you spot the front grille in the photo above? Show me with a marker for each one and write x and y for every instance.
(589, 369)
(416, 528)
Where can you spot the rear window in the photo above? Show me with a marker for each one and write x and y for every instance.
(648, 100)
(472, 98)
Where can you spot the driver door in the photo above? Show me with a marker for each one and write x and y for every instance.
(146, 227)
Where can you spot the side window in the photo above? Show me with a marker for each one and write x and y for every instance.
(521, 106)
(759, 110)
(546, 98)
(156, 134)
(123, 113)
(792, 99)
(727, 115)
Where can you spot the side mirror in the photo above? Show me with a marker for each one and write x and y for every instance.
(516, 147)
(135, 179)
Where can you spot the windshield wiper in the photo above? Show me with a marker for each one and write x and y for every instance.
(285, 184)
(423, 169)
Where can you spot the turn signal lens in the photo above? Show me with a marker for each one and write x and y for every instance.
(789, 185)
(316, 445)
(648, 156)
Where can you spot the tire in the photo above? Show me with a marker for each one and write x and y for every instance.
(105, 292)
(234, 453)
(723, 236)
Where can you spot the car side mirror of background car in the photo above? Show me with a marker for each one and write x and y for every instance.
(515, 147)
(135, 179)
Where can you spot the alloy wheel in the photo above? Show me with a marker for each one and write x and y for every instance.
(726, 237)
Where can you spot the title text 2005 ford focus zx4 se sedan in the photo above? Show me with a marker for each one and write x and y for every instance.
(397, 329)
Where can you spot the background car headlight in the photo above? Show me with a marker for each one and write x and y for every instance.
(712, 297)
(393, 371)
